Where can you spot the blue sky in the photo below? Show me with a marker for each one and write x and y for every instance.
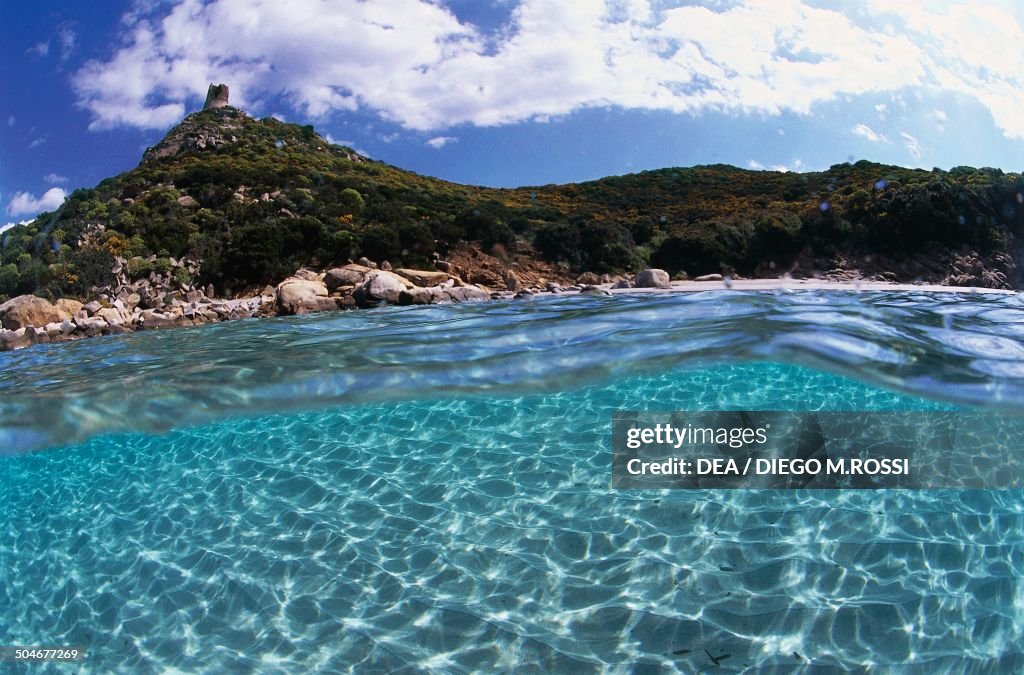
(520, 92)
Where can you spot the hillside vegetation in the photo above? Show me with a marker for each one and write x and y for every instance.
(251, 200)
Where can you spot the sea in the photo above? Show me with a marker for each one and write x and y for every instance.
(428, 489)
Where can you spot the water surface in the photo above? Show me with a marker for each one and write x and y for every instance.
(427, 489)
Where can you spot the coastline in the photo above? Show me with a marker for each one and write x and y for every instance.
(782, 284)
(357, 286)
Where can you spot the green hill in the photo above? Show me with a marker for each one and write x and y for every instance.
(252, 200)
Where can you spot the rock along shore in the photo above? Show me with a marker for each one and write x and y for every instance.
(27, 320)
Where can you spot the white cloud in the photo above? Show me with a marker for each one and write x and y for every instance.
(439, 142)
(348, 144)
(53, 178)
(36, 142)
(10, 121)
(4, 228)
(758, 166)
(40, 49)
(415, 63)
(973, 48)
(912, 145)
(786, 168)
(68, 41)
(23, 203)
(869, 133)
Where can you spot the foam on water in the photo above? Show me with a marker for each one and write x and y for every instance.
(478, 532)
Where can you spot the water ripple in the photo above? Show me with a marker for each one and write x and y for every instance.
(967, 349)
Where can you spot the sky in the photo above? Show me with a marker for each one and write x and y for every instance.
(517, 92)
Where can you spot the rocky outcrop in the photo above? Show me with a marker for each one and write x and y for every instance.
(427, 278)
(300, 294)
(68, 306)
(157, 303)
(380, 286)
(349, 275)
(207, 130)
(29, 310)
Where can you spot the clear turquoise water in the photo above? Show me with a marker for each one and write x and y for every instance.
(427, 490)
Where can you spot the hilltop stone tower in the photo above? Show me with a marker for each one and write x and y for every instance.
(216, 96)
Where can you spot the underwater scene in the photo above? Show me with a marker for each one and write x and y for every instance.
(428, 490)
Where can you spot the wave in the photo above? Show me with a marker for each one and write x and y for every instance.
(962, 348)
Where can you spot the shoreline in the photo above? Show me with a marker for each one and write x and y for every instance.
(356, 286)
(812, 285)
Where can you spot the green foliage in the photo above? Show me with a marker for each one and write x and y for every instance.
(776, 238)
(254, 253)
(485, 223)
(417, 243)
(352, 200)
(274, 196)
(381, 242)
(9, 279)
(596, 246)
(716, 246)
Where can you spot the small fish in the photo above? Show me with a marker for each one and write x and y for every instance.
(680, 652)
(797, 656)
(717, 660)
(727, 568)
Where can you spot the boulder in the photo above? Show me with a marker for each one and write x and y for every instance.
(151, 318)
(709, 277)
(380, 286)
(28, 310)
(652, 278)
(187, 202)
(425, 278)
(588, 279)
(16, 339)
(420, 296)
(114, 316)
(467, 293)
(622, 283)
(68, 307)
(93, 325)
(301, 296)
(306, 275)
(349, 275)
(93, 307)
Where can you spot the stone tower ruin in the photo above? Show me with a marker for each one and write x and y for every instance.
(216, 96)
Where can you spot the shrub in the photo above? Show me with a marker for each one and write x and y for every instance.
(9, 278)
(706, 248)
(381, 242)
(588, 246)
(776, 238)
